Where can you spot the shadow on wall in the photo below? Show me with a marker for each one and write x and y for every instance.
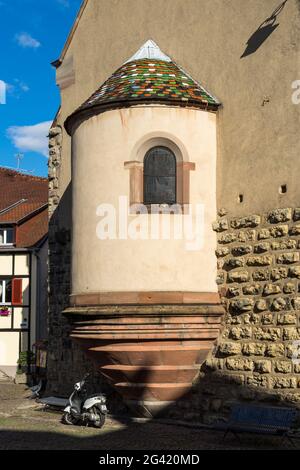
(213, 394)
(263, 31)
(210, 399)
(151, 435)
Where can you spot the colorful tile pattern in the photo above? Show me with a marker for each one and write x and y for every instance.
(151, 80)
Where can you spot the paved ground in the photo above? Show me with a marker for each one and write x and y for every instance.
(24, 425)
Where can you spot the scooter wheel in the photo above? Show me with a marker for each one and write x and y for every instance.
(101, 419)
(69, 419)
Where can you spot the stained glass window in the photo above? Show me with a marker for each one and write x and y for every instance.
(159, 176)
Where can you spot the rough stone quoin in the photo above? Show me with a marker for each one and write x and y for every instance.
(262, 292)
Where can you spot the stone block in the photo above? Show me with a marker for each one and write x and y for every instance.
(271, 289)
(244, 222)
(279, 273)
(252, 319)
(284, 382)
(279, 304)
(214, 363)
(227, 238)
(296, 214)
(279, 215)
(294, 271)
(293, 350)
(241, 250)
(265, 260)
(222, 251)
(262, 247)
(289, 288)
(286, 319)
(261, 305)
(284, 245)
(296, 303)
(267, 334)
(283, 367)
(267, 319)
(238, 276)
(257, 381)
(288, 258)
(279, 231)
(263, 366)
(230, 348)
(241, 305)
(274, 350)
(237, 332)
(261, 275)
(253, 349)
(235, 263)
(220, 279)
(252, 289)
(295, 230)
(233, 291)
(263, 234)
(250, 235)
(239, 363)
(220, 225)
(290, 333)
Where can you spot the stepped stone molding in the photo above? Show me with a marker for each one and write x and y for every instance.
(151, 354)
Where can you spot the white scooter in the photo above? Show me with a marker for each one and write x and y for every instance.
(88, 410)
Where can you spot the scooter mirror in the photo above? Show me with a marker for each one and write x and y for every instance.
(78, 386)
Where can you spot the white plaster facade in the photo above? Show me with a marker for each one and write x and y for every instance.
(100, 147)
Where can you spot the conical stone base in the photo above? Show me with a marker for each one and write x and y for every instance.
(150, 354)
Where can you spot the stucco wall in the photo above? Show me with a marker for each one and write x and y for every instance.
(101, 146)
(257, 127)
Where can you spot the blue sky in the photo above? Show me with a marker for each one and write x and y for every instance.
(32, 35)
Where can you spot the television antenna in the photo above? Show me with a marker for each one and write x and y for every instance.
(19, 157)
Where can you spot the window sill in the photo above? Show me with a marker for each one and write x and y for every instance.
(140, 208)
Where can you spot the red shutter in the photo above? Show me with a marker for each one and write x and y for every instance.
(17, 297)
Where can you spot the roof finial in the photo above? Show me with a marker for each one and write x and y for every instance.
(149, 50)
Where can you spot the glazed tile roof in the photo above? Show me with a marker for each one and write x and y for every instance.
(152, 78)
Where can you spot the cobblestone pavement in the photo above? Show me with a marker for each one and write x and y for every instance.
(25, 425)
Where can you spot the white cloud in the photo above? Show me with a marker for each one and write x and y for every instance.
(30, 138)
(17, 88)
(22, 85)
(26, 40)
(64, 3)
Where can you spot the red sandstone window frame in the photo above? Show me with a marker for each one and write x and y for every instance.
(136, 184)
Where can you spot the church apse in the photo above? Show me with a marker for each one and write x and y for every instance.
(145, 305)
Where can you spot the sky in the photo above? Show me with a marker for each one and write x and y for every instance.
(32, 35)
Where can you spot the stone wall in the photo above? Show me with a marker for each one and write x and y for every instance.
(259, 283)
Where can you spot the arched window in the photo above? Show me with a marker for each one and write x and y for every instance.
(159, 176)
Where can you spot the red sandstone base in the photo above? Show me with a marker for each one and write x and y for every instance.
(150, 354)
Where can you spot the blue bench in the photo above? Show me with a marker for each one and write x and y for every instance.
(268, 420)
